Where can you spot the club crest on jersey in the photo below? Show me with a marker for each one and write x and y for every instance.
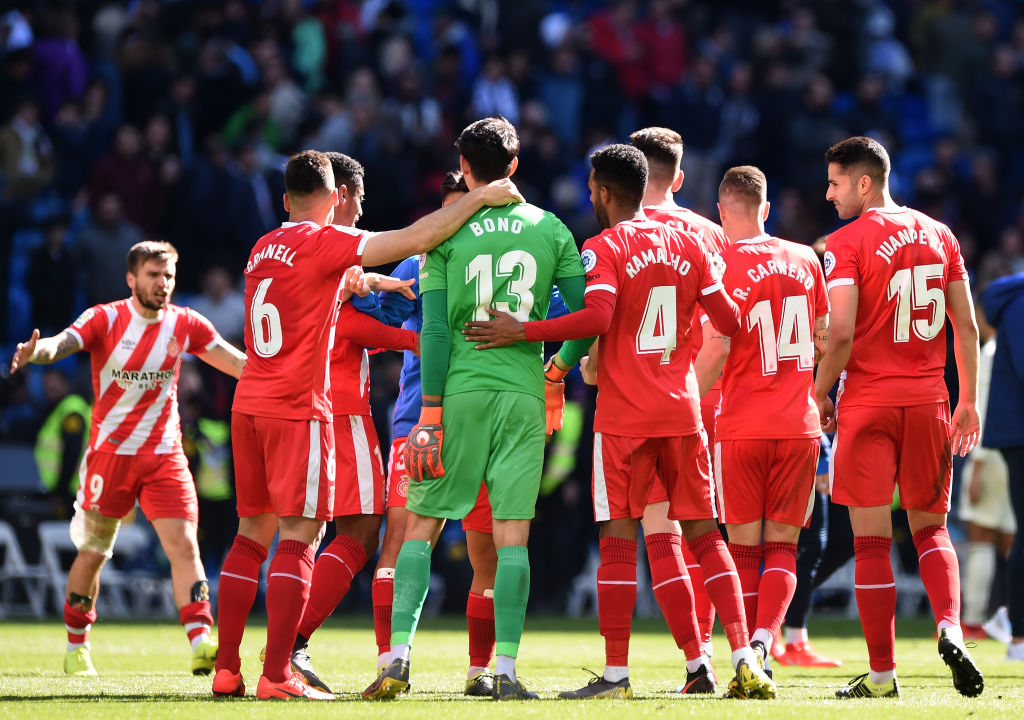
(403, 486)
(173, 348)
(423, 260)
(830, 262)
(589, 258)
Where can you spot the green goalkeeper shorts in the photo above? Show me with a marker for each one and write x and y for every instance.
(497, 437)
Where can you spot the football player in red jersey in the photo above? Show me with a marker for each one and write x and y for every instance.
(894, 275)
(283, 442)
(663, 149)
(765, 462)
(642, 278)
(134, 452)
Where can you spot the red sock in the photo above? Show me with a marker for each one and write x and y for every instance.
(701, 602)
(778, 583)
(876, 599)
(383, 593)
(616, 597)
(291, 572)
(332, 577)
(723, 585)
(940, 572)
(480, 622)
(748, 566)
(78, 624)
(236, 592)
(671, 585)
(197, 618)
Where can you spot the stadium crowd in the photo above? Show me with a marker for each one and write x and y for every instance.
(172, 121)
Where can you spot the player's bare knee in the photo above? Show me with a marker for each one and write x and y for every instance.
(94, 533)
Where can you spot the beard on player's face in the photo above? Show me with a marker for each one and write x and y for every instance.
(150, 300)
(601, 213)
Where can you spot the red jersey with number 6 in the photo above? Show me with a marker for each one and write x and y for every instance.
(647, 384)
(780, 290)
(292, 282)
(901, 261)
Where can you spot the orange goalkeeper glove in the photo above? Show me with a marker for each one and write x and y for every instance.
(554, 396)
(423, 448)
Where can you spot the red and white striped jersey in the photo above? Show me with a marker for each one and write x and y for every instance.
(135, 363)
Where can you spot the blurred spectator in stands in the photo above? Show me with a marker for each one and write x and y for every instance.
(806, 47)
(561, 90)
(996, 101)
(103, 245)
(62, 441)
(221, 303)
(181, 108)
(885, 56)
(981, 197)
(811, 128)
(262, 200)
(253, 120)
(615, 36)
(127, 173)
(740, 119)
(418, 115)
(869, 116)
(1006, 259)
(59, 67)
(494, 94)
(26, 155)
(52, 279)
(667, 49)
(697, 112)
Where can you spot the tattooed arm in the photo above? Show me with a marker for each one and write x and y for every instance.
(820, 336)
(44, 351)
(711, 359)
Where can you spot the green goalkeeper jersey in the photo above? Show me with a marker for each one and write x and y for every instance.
(507, 258)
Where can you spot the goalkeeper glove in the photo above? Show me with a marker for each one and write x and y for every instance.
(423, 448)
(554, 396)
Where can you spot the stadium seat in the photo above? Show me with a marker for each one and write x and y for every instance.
(15, 572)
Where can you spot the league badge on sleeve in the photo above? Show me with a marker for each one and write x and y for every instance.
(589, 258)
(830, 262)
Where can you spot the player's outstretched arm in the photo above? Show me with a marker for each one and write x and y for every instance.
(842, 319)
(430, 231)
(43, 351)
(225, 357)
(966, 424)
(711, 358)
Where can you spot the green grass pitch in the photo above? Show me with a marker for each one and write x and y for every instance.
(144, 674)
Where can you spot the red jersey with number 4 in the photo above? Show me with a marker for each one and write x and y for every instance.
(292, 281)
(901, 261)
(645, 368)
(135, 363)
(780, 290)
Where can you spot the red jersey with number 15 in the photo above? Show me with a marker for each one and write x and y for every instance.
(780, 290)
(901, 261)
(292, 281)
(647, 387)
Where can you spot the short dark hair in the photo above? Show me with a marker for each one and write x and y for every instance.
(623, 170)
(863, 154)
(489, 146)
(662, 147)
(745, 182)
(308, 172)
(453, 182)
(347, 170)
(142, 252)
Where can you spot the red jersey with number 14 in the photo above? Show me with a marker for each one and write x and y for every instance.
(901, 261)
(292, 281)
(768, 379)
(647, 387)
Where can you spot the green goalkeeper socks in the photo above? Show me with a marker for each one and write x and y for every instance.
(412, 578)
(511, 591)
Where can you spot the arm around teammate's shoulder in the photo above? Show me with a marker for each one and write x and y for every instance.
(430, 231)
(724, 313)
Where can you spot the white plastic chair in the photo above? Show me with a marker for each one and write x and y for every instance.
(14, 572)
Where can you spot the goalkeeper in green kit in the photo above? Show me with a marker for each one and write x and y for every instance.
(483, 413)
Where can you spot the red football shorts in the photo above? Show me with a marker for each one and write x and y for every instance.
(771, 479)
(708, 414)
(110, 484)
(625, 469)
(479, 518)
(359, 484)
(880, 448)
(398, 478)
(284, 467)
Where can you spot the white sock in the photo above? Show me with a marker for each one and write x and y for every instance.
(383, 659)
(399, 652)
(74, 646)
(979, 570)
(474, 670)
(766, 637)
(795, 635)
(708, 649)
(199, 639)
(505, 665)
(954, 633)
(880, 678)
(746, 654)
(614, 673)
(693, 666)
